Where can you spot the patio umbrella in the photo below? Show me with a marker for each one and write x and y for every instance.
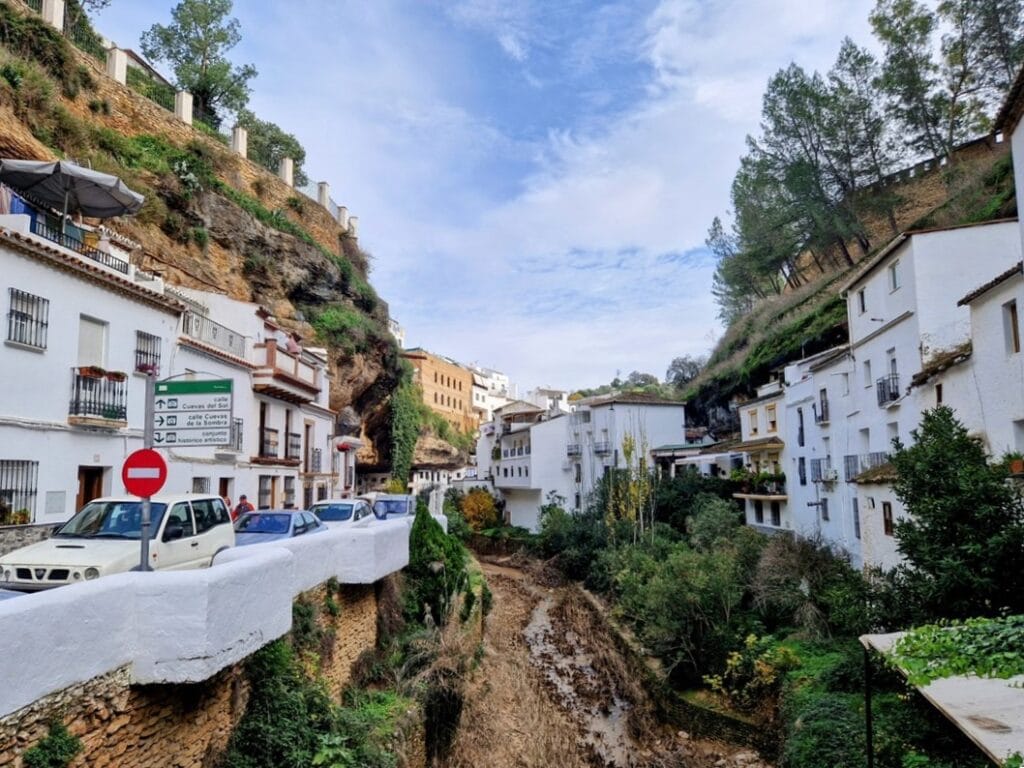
(71, 187)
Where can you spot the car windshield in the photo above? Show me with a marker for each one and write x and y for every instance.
(263, 522)
(112, 520)
(332, 512)
(386, 507)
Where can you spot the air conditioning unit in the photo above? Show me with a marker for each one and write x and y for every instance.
(830, 475)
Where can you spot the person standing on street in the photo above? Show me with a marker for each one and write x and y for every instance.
(243, 507)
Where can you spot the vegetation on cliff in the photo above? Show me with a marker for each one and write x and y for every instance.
(197, 204)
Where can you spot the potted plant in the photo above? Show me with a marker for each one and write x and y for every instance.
(91, 371)
(116, 376)
(1014, 461)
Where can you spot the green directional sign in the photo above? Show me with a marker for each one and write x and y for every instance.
(192, 413)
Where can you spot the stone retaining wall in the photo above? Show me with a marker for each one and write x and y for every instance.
(182, 725)
(14, 537)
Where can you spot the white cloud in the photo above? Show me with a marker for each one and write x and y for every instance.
(583, 264)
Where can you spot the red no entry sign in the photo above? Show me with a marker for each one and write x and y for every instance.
(144, 472)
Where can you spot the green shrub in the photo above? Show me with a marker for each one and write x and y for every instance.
(829, 732)
(56, 750)
(436, 570)
(754, 674)
(200, 236)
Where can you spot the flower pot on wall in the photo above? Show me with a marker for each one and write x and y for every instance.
(116, 376)
(1017, 466)
(91, 371)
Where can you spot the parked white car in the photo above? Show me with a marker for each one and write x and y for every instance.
(188, 531)
(337, 513)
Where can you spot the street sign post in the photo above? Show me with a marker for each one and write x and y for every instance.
(192, 413)
(144, 472)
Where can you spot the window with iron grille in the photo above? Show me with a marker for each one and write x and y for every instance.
(856, 517)
(18, 488)
(200, 485)
(289, 490)
(28, 319)
(147, 352)
(824, 509)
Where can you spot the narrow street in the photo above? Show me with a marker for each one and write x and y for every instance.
(553, 690)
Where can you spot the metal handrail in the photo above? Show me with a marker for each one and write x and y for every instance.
(72, 243)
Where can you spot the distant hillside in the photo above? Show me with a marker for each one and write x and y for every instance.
(977, 185)
(212, 220)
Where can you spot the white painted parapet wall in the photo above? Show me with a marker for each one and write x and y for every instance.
(183, 626)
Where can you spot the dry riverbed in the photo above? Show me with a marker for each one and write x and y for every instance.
(552, 690)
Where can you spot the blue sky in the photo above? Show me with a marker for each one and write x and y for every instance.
(534, 178)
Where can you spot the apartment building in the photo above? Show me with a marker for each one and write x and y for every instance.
(447, 388)
(763, 478)
(85, 327)
(530, 453)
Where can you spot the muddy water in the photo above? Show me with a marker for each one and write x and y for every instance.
(569, 670)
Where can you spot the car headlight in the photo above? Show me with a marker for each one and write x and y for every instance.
(92, 573)
(76, 575)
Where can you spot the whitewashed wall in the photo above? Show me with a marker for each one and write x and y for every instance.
(173, 627)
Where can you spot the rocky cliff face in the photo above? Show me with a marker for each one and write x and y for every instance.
(296, 278)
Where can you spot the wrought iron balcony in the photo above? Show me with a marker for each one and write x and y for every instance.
(602, 447)
(888, 389)
(573, 449)
(72, 243)
(98, 395)
(237, 431)
(268, 443)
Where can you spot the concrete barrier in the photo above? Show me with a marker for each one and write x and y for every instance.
(180, 626)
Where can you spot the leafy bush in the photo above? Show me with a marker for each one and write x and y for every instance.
(479, 509)
(576, 539)
(436, 570)
(828, 733)
(56, 750)
(981, 647)
(286, 715)
(754, 674)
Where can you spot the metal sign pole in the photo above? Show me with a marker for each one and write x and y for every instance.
(147, 441)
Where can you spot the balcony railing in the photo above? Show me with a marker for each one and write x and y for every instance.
(854, 464)
(293, 446)
(268, 443)
(202, 328)
(72, 243)
(888, 389)
(98, 397)
(819, 469)
(821, 412)
(602, 447)
(573, 449)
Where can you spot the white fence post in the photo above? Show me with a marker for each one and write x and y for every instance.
(117, 65)
(53, 14)
(240, 141)
(183, 107)
(286, 170)
(343, 217)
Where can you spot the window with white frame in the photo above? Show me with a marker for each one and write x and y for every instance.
(27, 319)
(1011, 327)
(200, 485)
(147, 352)
(894, 276)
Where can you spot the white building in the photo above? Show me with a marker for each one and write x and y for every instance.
(763, 489)
(71, 406)
(530, 453)
(491, 391)
(83, 324)
(283, 453)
